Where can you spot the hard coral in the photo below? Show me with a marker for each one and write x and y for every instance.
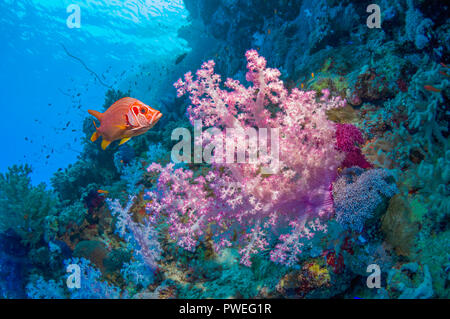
(398, 226)
(358, 196)
(371, 86)
(298, 284)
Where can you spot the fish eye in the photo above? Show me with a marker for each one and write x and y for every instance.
(143, 110)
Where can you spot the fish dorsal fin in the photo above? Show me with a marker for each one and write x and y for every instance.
(105, 144)
(97, 114)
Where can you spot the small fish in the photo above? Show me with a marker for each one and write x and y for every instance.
(101, 191)
(180, 58)
(302, 85)
(124, 119)
(312, 75)
(445, 66)
(431, 88)
(268, 31)
(443, 73)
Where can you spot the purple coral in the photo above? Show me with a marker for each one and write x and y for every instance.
(357, 194)
(183, 200)
(142, 238)
(238, 198)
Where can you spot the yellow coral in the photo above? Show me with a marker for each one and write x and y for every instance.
(318, 273)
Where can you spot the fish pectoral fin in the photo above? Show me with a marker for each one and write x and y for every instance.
(94, 136)
(124, 140)
(122, 127)
(105, 144)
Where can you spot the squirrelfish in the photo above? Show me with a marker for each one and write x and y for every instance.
(124, 119)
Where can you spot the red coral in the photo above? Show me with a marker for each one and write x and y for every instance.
(337, 263)
(348, 140)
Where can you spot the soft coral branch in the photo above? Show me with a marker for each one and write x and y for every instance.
(238, 197)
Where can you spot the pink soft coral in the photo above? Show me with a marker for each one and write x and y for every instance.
(240, 198)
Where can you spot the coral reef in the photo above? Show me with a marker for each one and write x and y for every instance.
(362, 176)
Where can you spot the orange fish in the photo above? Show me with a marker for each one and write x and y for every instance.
(101, 191)
(124, 119)
(431, 88)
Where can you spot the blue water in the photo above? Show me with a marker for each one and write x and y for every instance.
(42, 88)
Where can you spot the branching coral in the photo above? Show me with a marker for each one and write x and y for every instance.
(417, 29)
(418, 116)
(39, 288)
(240, 197)
(142, 238)
(91, 284)
(24, 208)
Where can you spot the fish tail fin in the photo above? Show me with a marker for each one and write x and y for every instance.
(97, 114)
(105, 144)
(94, 136)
